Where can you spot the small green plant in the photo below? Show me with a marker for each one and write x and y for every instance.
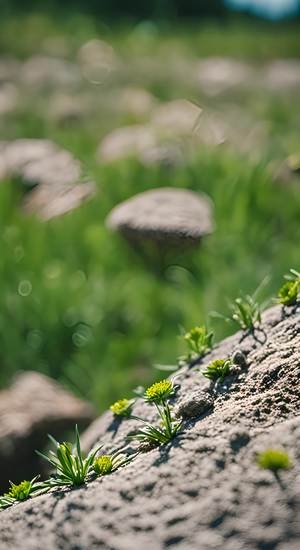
(158, 394)
(274, 460)
(218, 369)
(107, 464)
(69, 463)
(290, 290)
(122, 407)
(199, 340)
(246, 312)
(22, 491)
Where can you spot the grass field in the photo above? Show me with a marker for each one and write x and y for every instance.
(76, 301)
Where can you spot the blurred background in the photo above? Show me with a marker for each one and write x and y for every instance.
(114, 98)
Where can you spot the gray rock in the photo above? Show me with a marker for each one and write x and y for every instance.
(283, 75)
(203, 491)
(194, 404)
(53, 173)
(125, 142)
(45, 72)
(217, 75)
(31, 407)
(167, 214)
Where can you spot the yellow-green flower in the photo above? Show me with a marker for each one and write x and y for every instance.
(274, 460)
(122, 407)
(159, 391)
(103, 465)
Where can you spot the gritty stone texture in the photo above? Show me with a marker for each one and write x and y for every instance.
(194, 404)
(31, 407)
(204, 490)
(164, 214)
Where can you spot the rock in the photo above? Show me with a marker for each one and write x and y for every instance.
(176, 118)
(194, 404)
(49, 202)
(287, 171)
(43, 72)
(9, 98)
(129, 141)
(53, 174)
(67, 110)
(167, 215)
(204, 490)
(33, 406)
(168, 155)
(283, 75)
(216, 75)
(135, 102)
(9, 69)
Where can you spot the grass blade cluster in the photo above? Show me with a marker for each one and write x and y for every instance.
(70, 465)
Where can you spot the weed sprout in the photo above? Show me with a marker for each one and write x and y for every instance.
(71, 467)
(218, 369)
(158, 394)
(22, 491)
(290, 290)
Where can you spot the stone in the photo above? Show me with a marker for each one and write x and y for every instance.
(283, 75)
(135, 102)
(31, 407)
(53, 176)
(204, 489)
(166, 214)
(48, 202)
(194, 404)
(9, 98)
(66, 110)
(9, 69)
(44, 72)
(216, 75)
(125, 142)
(176, 118)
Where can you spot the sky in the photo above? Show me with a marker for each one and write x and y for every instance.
(270, 9)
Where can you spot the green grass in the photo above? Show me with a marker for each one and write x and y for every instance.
(76, 301)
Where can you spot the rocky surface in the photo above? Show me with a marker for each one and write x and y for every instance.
(33, 406)
(167, 215)
(204, 490)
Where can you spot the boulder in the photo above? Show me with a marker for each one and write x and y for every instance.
(166, 215)
(204, 490)
(31, 407)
